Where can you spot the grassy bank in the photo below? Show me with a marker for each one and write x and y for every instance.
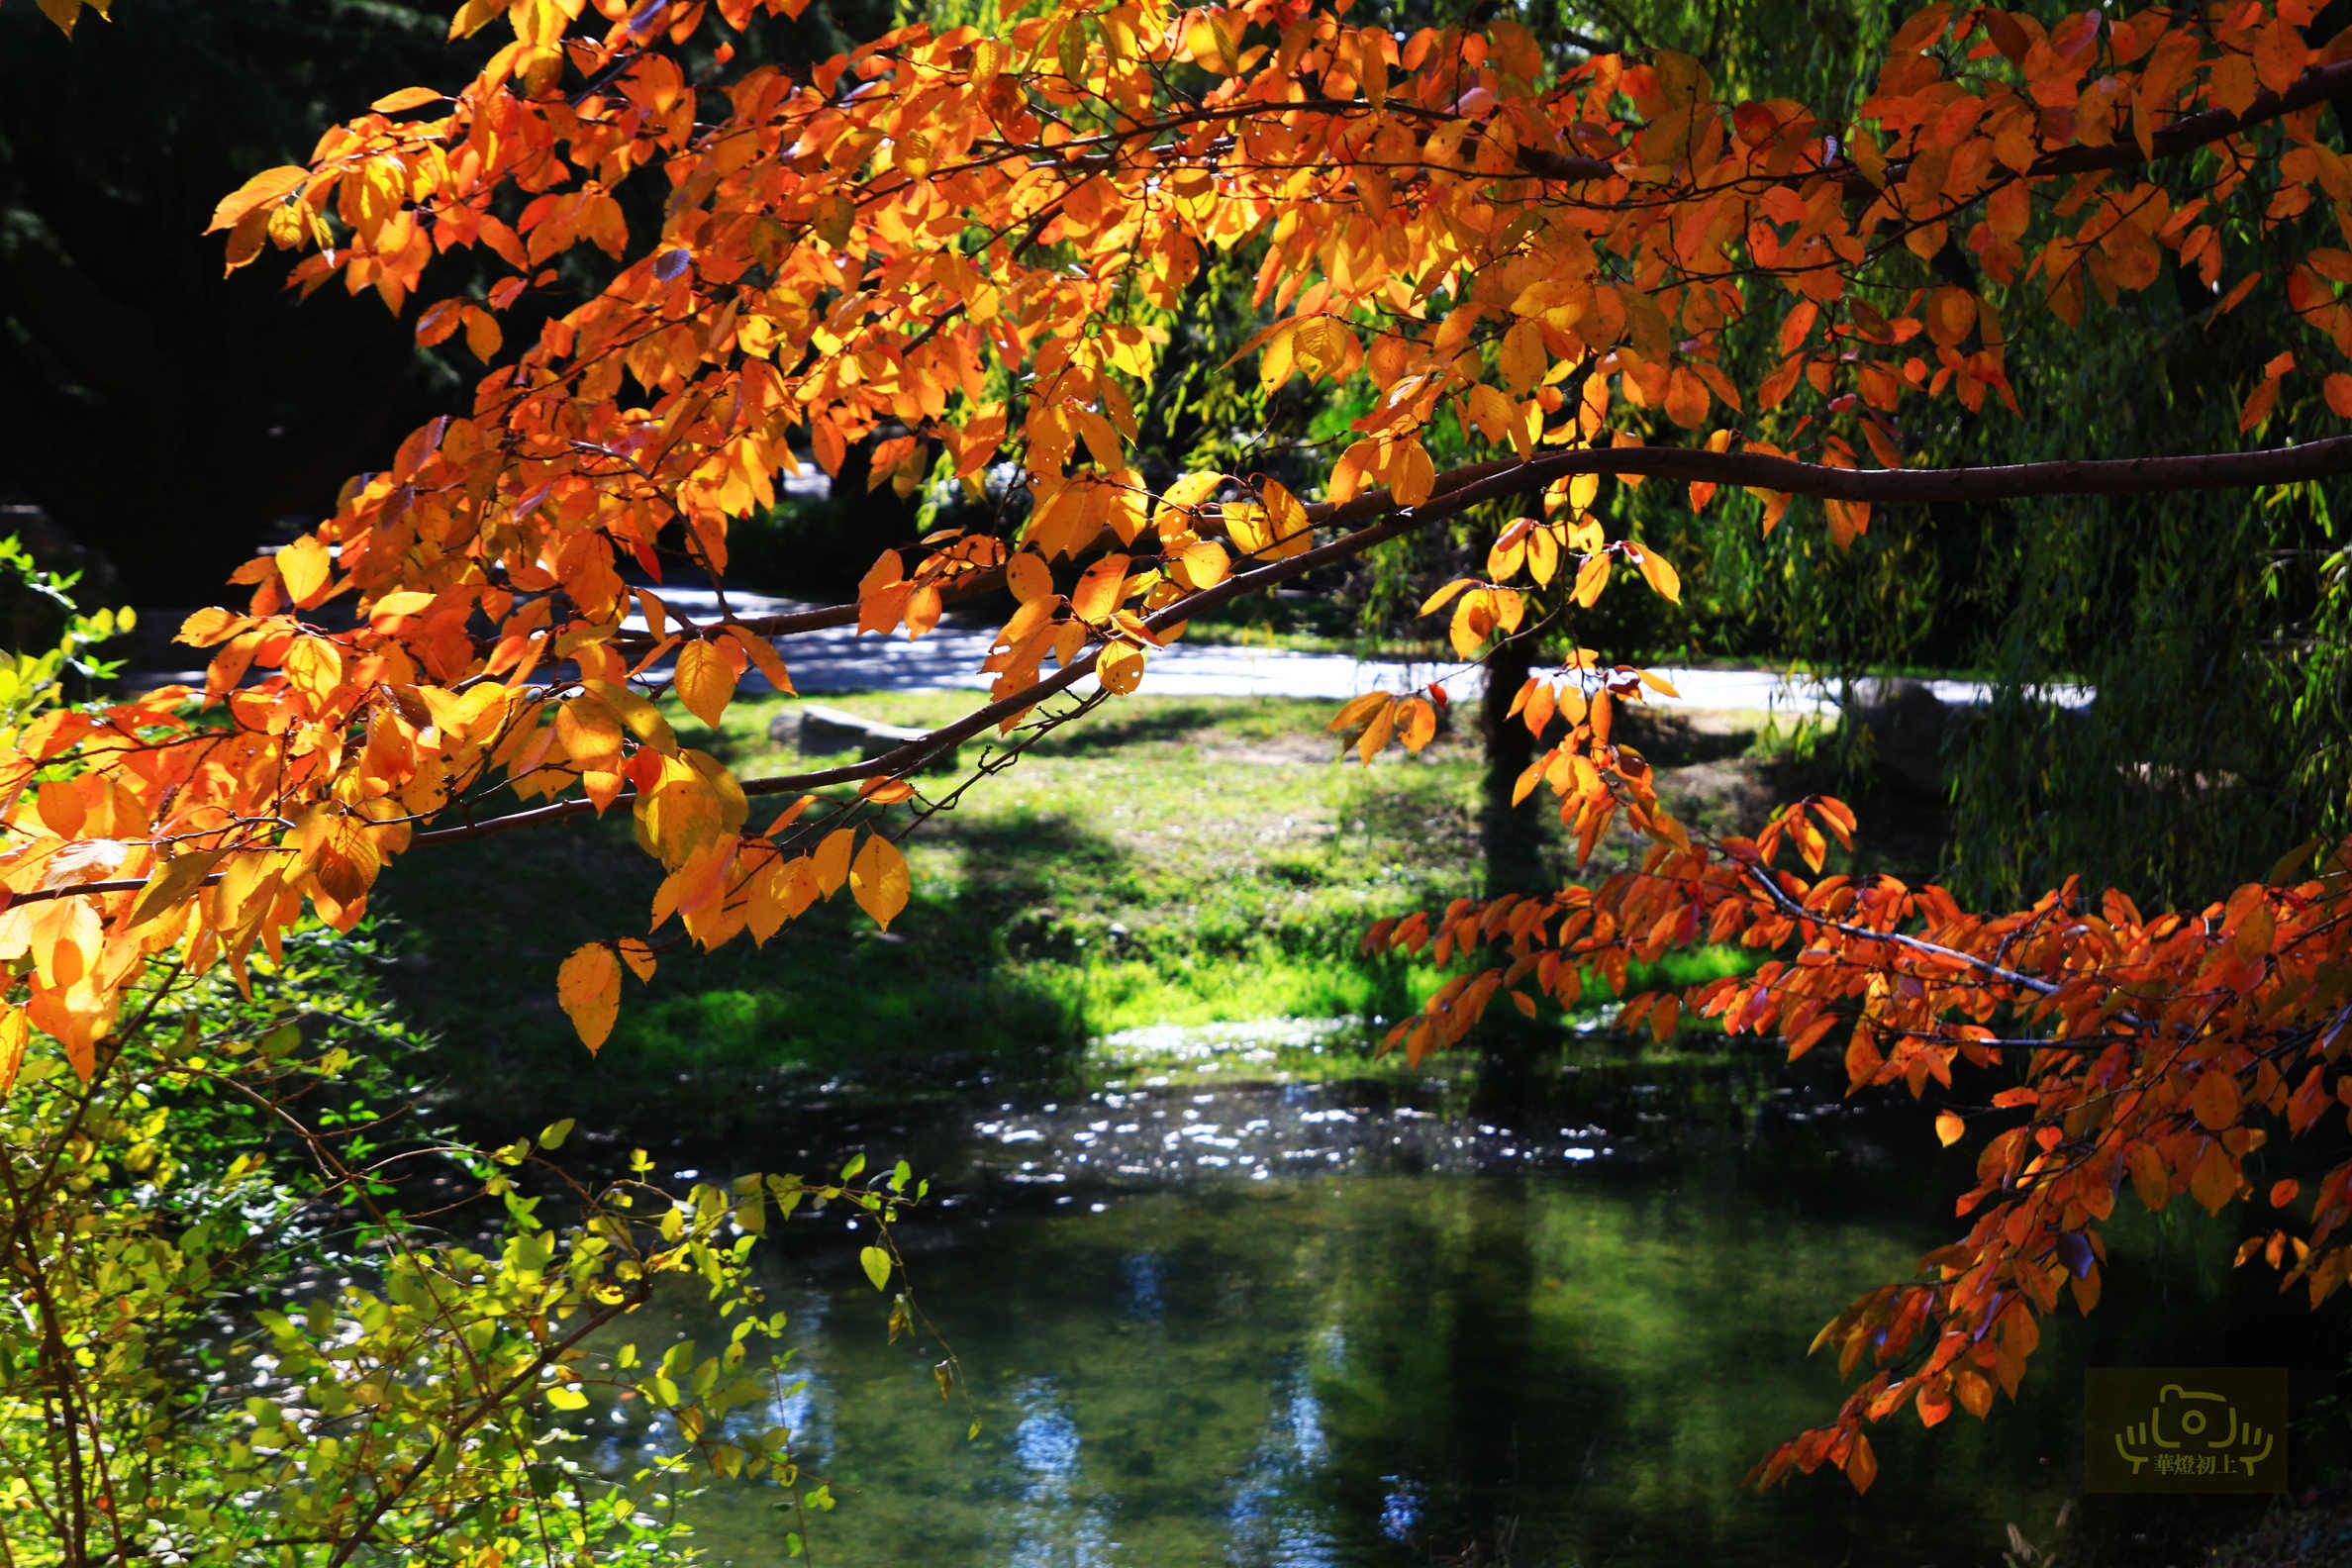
(1165, 861)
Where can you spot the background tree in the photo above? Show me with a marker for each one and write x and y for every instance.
(961, 246)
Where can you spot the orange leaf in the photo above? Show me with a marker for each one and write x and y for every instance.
(2214, 1182)
(407, 98)
(1949, 1129)
(878, 880)
(1661, 575)
(1861, 1464)
(589, 988)
(763, 654)
(2258, 406)
(1417, 722)
(638, 953)
(267, 186)
(2216, 1100)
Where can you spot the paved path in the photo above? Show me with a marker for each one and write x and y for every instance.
(950, 657)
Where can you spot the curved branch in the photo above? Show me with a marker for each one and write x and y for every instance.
(2319, 460)
(1458, 491)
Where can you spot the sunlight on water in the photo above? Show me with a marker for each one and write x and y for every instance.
(1326, 1327)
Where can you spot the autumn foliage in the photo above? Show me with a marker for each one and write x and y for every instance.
(954, 247)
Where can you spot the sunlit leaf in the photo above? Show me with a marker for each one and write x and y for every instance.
(878, 880)
(589, 988)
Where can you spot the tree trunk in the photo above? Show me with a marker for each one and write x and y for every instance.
(1510, 839)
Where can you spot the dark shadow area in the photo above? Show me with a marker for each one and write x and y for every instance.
(1670, 739)
(720, 1045)
(161, 415)
(1120, 729)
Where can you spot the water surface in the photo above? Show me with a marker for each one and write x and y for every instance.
(1327, 1326)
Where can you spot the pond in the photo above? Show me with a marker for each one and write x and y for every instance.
(1351, 1325)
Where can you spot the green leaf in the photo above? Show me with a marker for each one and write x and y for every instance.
(877, 1265)
(900, 1174)
(566, 1397)
(554, 1135)
(850, 1170)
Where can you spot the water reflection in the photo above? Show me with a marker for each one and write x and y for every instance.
(1560, 1360)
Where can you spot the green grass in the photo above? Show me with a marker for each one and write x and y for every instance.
(1165, 860)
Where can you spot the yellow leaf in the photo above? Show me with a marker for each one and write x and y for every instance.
(706, 681)
(1191, 490)
(472, 14)
(393, 606)
(1245, 524)
(1356, 711)
(15, 1029)
(831, 862)
(1661, 575)
(1120, 669)
(878, 880)
(1438, 599)
(305, 565)
(1275, 358)
(876, 1264)
(1948, 1128)
(1521, 358)
(173, 881)
(1203, 565)
(1492, 412)
(1028, 576)
(1285, 522)
(589, 988)
(1098, 591)
(639, 955)
(1412, 476)
(1591, 578)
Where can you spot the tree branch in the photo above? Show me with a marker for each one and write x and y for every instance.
(1456, 492)
(2184, 134)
